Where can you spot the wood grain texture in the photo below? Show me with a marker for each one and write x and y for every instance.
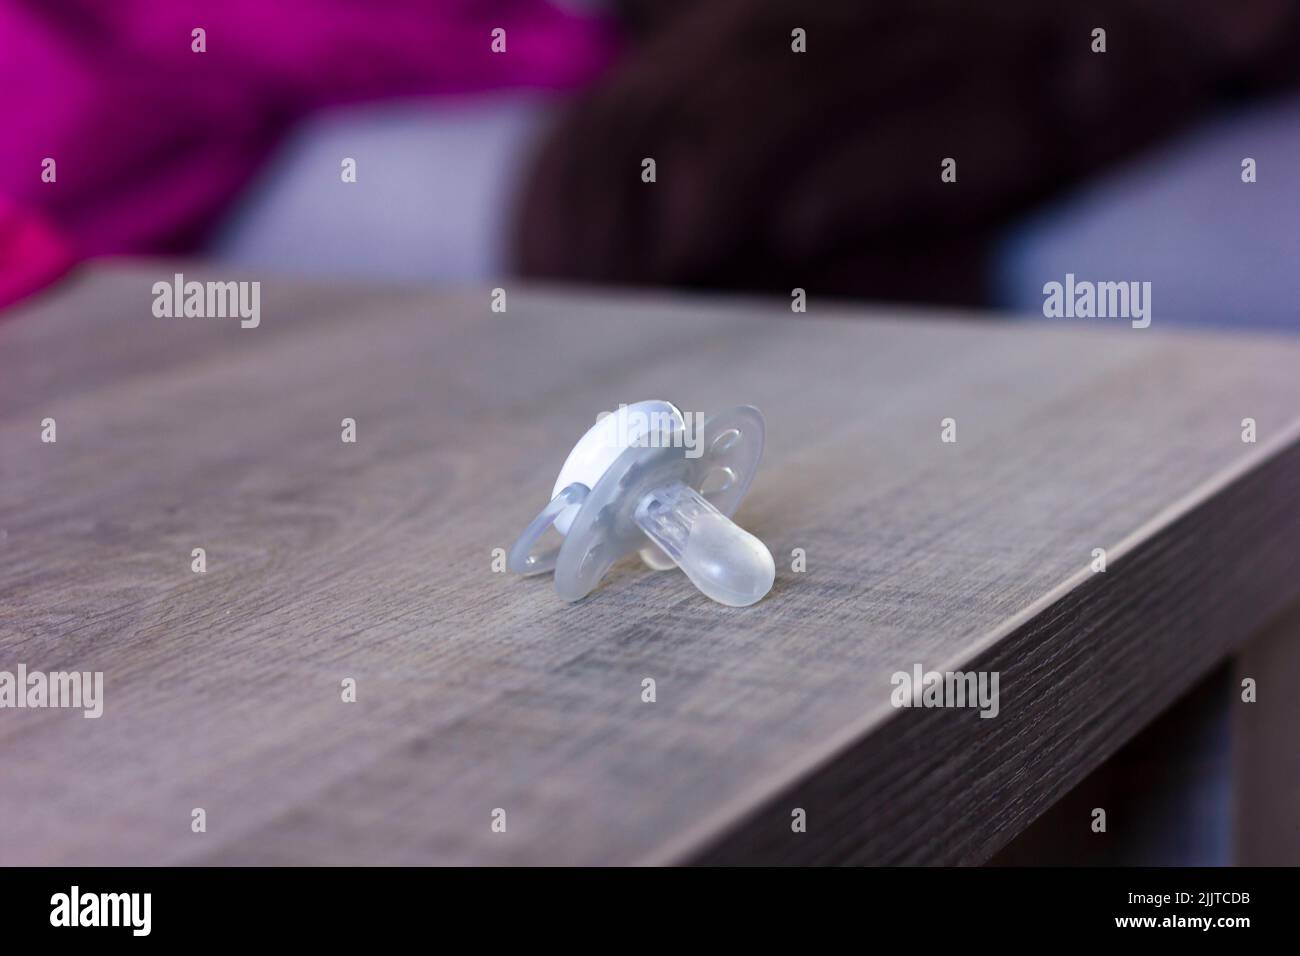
(480, 690)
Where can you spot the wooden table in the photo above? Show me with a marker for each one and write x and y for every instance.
(479, 691)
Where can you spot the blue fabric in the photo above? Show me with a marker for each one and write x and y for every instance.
(435, 185)
(1218, 252)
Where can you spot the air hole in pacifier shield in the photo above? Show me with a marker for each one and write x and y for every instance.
(725, 442)
(717, 481)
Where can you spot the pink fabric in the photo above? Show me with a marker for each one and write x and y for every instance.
(151, 138)
(32, 253)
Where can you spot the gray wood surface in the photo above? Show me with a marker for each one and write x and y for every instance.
(479, 690)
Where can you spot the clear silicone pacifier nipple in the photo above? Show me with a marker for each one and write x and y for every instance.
(643, 479)
(723, 560)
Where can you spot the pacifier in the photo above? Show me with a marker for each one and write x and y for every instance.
(642, 479)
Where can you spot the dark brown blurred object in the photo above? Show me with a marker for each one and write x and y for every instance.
(822, 170)
(1266, 758)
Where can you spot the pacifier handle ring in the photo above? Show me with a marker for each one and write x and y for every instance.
(521, 559)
